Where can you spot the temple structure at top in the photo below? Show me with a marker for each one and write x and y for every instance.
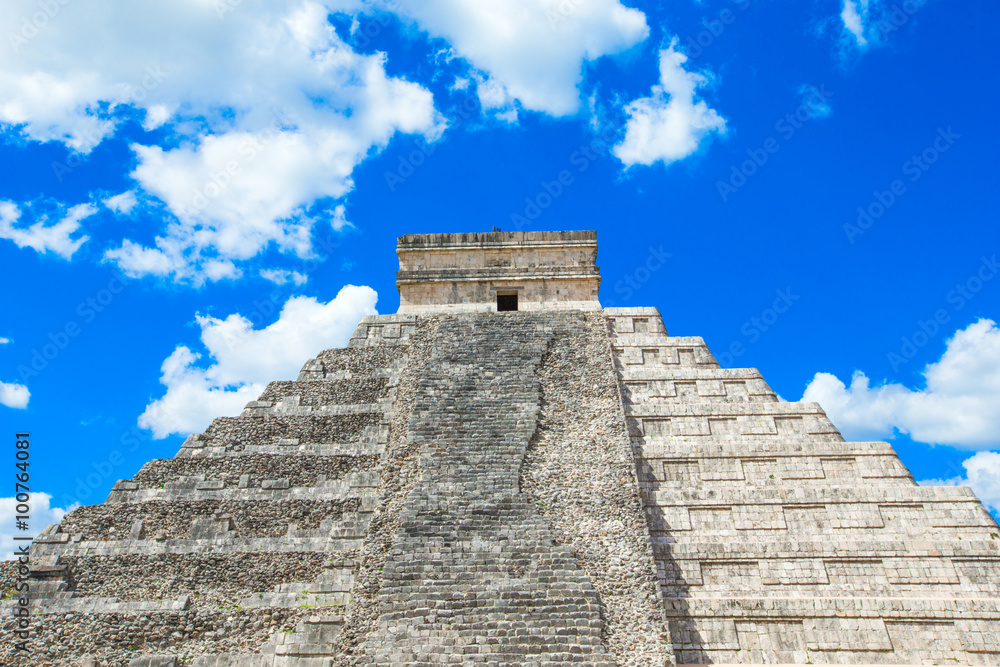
(497, 271)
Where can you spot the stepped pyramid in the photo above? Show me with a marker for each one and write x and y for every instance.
(504, 473)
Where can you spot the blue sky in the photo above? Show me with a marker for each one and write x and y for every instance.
(197, 198)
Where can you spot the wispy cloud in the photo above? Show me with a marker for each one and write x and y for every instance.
(854, 16)
(60, 238)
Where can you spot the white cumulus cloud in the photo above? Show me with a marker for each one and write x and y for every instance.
(982, 473)
(14, 395)
(672, 122)
(57, 238)
(245, 359)
(268, 113)
(959, 406)
(532, 50)
(42, 515)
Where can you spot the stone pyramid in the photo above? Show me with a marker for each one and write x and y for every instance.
(504, 473)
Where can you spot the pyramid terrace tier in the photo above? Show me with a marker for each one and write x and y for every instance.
(317, 393)
(816, 513)
(249, 470)
(235, 577)
(729, 420)
(276, 489)
(909, 567)
(118, 637)
(335, 536)
(187, 519)
(822, 630)
(636, 354)
(681, 384)
(677, 462)
(258, 433)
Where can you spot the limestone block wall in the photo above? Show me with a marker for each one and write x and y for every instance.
(778, 542)
(541, 291)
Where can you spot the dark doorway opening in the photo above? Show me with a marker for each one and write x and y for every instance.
(506, 302)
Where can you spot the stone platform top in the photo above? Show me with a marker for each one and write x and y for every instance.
(498, 271)
(492, 239)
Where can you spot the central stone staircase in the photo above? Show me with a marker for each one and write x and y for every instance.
(475, 574)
